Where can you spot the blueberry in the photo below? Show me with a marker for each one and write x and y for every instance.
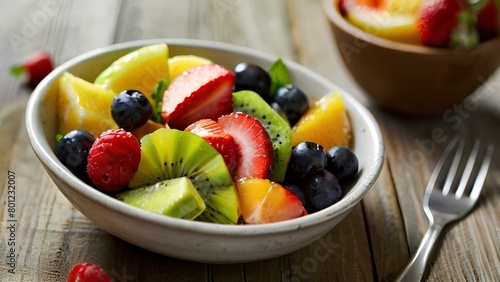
(73, 149)
(130, 109)
(342, 162)
(307, 159)
(293, 101)
(252, 77)
(321, 191)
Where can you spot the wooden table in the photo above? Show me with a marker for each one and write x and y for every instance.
(373, 243)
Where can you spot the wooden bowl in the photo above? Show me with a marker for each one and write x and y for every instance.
(411, 80)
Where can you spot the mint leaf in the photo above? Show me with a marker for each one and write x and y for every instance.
(158, 99)
(465, 36)
(279, 75)
(17, 70)
(59, 136)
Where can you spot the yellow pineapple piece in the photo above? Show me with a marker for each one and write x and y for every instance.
(140, 70)
(181, 63)
(393, 19)
(83, 105)
(326, 123)
(410, 7)
(147, 128)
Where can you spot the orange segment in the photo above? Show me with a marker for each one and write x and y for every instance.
(325, 123)
(264, 201)
(83, 105)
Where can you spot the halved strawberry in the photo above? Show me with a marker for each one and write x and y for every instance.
(37, 67)
(253, 145)
(487, 21)
(223, 142)
(201, 92)
(264, 201)
(437, 20)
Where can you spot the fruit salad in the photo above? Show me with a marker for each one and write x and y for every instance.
(185, 137)
(434, 23)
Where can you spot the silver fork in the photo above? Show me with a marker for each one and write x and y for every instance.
(444, 199)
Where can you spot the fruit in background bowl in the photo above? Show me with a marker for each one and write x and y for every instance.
(412, 80)
(434, 23)
(391, 19)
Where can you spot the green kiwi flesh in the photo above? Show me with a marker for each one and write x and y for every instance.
(175, 197)
(278, 129)
(170, 153)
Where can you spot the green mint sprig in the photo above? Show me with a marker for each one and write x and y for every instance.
(279, 75)
(157, 97)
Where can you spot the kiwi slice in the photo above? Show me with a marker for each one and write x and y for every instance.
(175, 197)
(170, 153)
(278, 129)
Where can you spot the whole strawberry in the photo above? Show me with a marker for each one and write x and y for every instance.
(87, 272)
(113, 159)
(437, 20)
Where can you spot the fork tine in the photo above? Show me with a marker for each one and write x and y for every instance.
(439, 167)
(467, 173)
(452, 172)
(481, 176)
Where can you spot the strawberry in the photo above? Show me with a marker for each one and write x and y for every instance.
(487, 21)
(437, 20)
(253, 145)
(343, 8)
(87, 272)
(37, 67)
(264, 201)
(213, 133)
(201, 92)
(113, 159)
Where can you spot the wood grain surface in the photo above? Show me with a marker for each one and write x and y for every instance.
(373, 243)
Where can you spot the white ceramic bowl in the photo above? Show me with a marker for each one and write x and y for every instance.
(200, 241)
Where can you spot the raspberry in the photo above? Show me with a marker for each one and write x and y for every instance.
(87, 272)
(113, 159)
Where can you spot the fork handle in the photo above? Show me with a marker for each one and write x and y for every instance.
(414, 271)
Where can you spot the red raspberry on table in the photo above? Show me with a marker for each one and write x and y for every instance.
(37, 67)
(113, 159)
(87, 272)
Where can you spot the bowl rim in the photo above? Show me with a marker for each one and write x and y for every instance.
(330, 8)
(46, 155)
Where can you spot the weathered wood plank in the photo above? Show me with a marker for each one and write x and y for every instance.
(63, 28)
(413, 155)
(259, 24)
(47, 243)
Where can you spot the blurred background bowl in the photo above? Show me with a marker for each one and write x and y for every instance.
(193, 240)
(408, 79)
